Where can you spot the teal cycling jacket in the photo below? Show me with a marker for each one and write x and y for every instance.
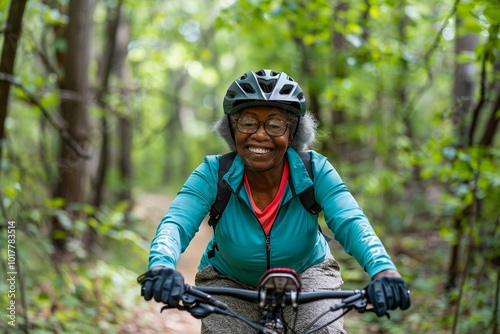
(244, 251)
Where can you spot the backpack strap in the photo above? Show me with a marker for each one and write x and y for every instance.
(223, 191)
(223, 195)
(307, 197)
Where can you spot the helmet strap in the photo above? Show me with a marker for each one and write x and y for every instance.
(231, 127)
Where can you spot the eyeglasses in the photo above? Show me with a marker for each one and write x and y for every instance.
(273, 127)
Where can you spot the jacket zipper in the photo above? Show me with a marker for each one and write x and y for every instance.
(268, 236)
(268, 250)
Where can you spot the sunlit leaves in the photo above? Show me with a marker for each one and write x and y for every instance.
(492, 12)
(51, 15)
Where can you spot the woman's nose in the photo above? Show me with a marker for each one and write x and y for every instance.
(261, 131)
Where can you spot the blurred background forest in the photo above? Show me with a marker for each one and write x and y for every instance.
(106, 107)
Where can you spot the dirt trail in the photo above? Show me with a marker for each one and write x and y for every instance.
(152, 207)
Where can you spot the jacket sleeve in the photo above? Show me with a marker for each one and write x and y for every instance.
(185, 215)
(346, 219)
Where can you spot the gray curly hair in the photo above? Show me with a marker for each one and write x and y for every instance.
(304, 138)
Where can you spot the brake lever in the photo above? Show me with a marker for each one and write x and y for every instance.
(360, 304)
(373, 310)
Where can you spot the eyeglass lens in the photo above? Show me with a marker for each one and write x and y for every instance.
(273, 126)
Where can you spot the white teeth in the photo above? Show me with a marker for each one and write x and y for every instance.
(259, 150)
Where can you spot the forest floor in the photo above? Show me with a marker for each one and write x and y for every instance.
(151, 208)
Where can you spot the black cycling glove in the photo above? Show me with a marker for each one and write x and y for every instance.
(165, 285)
(388, 293)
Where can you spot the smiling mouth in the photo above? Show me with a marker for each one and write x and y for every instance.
(257, 150)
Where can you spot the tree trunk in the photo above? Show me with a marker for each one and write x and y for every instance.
(463, 88)
(12, 36)
(463, 91)
(492, 124)
(124, 123)
(488, 137)
(339, 45)
(172, 142)
(106, 70)
(72, 180)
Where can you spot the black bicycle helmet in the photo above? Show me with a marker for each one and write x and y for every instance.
(265, 87)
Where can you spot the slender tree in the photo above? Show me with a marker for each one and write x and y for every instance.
(10, 43)
(106, 72)
(7, 60)
(125, 125)
(72, 184)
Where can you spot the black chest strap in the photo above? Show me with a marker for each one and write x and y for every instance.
(307, 197)
(223, 190)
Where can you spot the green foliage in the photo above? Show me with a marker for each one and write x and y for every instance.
(94, 293)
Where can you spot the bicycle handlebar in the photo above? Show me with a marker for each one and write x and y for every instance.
(303, 298)
(198, 301)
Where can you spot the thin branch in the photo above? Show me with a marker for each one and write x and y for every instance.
(175, 96)
(491, 125)
(34, 100)
(157, 131)
(496, 307)
(42, 53)
(469, 255)
(482, 98)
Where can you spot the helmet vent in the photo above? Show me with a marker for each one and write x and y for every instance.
(230, 94)
(261, 73)
(273, 74)
(247, 88)
(243, 77)
(267, 86)
(287, 89)
(300, 96)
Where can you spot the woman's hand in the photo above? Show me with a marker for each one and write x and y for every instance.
(164, 284)
(388, 291)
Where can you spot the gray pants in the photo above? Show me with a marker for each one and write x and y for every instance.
(323, 276)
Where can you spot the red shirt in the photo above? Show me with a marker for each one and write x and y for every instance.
(267, 217)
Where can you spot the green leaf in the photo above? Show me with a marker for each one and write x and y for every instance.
(309, 39)
(57, 202)
(466, 57)
(59, 235)
(426, 173)
(88, 209)
(464, 10)
(472, 25)
(446, 232)
(11, 191)
(492, 13)
(64, 219)
(70, 301)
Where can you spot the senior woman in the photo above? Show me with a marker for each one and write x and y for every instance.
(264, 224)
